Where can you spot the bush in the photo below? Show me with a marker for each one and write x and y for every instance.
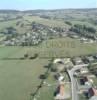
(67, 22)
(26, 55)
(53, 69)
(34, 57)
(43, 76)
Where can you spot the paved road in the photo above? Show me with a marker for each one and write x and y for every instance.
(74, 81)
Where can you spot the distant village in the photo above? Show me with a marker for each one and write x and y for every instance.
(40, 32)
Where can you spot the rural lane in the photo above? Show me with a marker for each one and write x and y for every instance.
(74, 85)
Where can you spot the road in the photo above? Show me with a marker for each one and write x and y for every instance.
(74, 85)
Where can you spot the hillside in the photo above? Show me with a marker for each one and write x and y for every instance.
(47, 24)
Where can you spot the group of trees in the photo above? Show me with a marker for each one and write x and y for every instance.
(93, 69)
(19, 23)
(46, 74)
(84, 30)
(58, 29)
(68, 23)
(45, 17)
(11, 30)
(27, 56)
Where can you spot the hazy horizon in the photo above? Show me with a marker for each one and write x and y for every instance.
(46, 4)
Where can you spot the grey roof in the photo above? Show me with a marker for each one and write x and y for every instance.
(93, 98)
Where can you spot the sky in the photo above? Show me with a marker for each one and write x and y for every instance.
(46, 4)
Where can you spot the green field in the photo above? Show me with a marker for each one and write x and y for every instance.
(66, 47)
(20, 78)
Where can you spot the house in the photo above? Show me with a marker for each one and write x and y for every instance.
(86, 81)
(73, 35)
(59, 64)
(68, 63)
(86, 40)
(90, 59)
(59, 77)
(92, 92)
(85, 84)
(9, 43)
(84, 70)
(58, 61)
(93, 98)
(60, 95)
(83, 80)
(60, 67)
(95, 56)
(77, 61)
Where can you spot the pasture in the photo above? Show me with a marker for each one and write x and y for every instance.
(19, 78)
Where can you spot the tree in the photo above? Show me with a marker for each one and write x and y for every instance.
(93, 68)
(68, 23)
(91, 29)
(34, 56)
(43, 76)
(26, 55)
(11, 30)
(54, 69)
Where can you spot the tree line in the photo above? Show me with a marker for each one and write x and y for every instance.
(84, 30)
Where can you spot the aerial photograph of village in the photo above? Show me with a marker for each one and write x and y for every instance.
(48, 50)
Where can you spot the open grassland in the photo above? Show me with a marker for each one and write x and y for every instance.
(66, 47)
(48, 22)
(20, 78)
